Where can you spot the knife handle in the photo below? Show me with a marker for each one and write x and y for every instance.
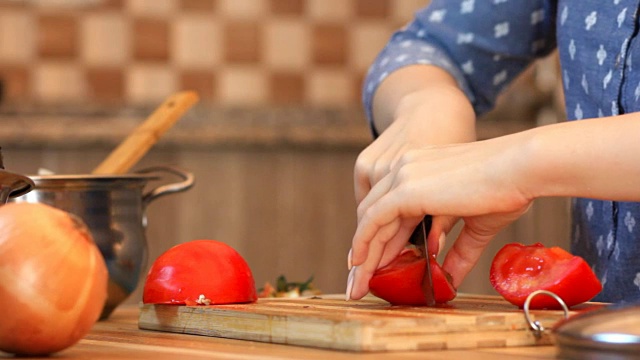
(416, 236)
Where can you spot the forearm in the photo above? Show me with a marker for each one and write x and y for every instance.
(596, 158)
(430, 99)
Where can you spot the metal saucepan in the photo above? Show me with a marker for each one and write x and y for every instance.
(113, 207)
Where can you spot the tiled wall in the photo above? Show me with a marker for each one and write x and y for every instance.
(237, 52)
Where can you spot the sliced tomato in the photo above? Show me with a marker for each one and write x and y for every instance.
(199, 272)
(400, 281)
(518, 270)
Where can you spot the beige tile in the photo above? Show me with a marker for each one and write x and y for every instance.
(17, 37)
(196, 41)
(367, 38)
(242, 85)
(105, 39)
(56, 82)
(329, 87)
(330, 10)
(243, 9)
(405, 9)
(161, 8)
(149, 84)
(287, 44)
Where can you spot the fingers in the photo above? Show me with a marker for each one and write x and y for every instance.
(382, 251)
(365, 270)
(440, 227)
(464, 253)
(368, 248)
(374, 163)
(398, 242)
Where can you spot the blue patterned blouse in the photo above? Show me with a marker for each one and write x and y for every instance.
(485, 44)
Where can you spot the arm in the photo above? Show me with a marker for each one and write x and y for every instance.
(595, 158)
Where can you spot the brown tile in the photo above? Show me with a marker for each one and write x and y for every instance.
(202, 82)
(14, 5)
(15, 84)
(330, 44)
(57, 36)
(109, 4)
(286, 88)
(106, 84)
(378, 9)
(150, 39)
(242, 42)
(287, 7)
(201, 5)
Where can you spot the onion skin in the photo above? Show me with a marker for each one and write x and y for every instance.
(53, 279)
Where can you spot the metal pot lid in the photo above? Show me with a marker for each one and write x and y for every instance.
(612, 332)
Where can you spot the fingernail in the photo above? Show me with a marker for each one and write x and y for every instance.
(349, 261)
(441, 241)
(352, 273)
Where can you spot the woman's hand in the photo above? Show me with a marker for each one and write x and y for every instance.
(479, 182)
(414, 107)
(410, 115)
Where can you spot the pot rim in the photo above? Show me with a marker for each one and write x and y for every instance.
(37, 178)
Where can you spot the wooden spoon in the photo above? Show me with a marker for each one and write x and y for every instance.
(136, 145)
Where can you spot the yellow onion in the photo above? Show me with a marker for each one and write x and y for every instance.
(53, 279)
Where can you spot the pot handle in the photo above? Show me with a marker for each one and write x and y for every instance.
(186, 183)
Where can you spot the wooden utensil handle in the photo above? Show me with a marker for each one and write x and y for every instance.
(136, 145)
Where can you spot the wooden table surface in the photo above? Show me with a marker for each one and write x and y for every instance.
(119, 338)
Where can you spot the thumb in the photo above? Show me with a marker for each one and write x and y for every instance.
(440, 227)
(464, 253)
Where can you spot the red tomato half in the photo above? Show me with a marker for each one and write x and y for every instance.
(518, 270)
(199, 272)
(400, 281)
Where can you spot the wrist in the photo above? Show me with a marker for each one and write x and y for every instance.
(542, 166)
(441, 114)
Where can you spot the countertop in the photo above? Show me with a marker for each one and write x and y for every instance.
(119, 338)
(207, 126)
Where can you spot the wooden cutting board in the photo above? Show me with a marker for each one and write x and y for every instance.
(469, 321)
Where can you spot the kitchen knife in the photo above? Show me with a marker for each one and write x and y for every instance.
(419, 239)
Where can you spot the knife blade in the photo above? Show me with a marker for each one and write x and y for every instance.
(419, 239)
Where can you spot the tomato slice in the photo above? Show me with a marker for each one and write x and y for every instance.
(199, 272)
(518, 270)
(400, 282)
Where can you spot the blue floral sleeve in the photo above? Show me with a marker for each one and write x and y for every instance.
(484, 44)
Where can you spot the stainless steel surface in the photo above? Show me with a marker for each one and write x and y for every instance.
(535, 325)
(419, 238)
(113, 207)
(609, 333)
(13, 185)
